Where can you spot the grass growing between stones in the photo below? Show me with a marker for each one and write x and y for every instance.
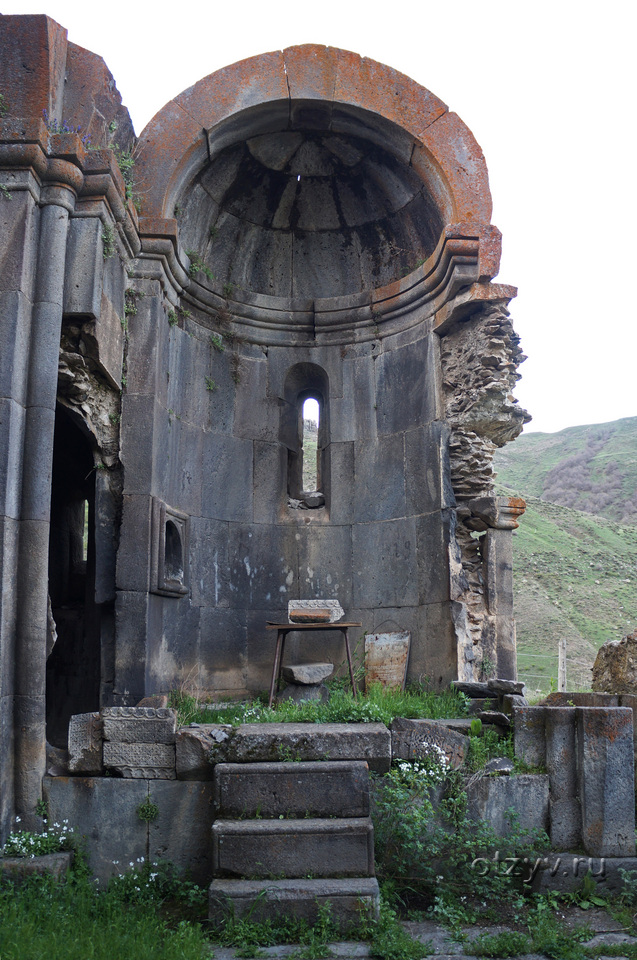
(376, 705)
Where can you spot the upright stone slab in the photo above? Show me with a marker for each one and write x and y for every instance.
(85, 744)
(528, 735)
(607, 792)
(561, 764)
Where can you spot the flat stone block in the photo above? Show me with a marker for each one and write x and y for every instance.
(317, 789)
(411, 739)
(498, 686)
(307, 672)
(150, 761)
(253, 742)
(193, 750)
(85, 744)
(293, 848)
(18, 869)
(491, 798)
(265, 899)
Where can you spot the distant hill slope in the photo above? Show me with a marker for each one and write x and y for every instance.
(591, 468)
(575, 577)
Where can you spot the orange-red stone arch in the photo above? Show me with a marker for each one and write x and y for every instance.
(173, 146)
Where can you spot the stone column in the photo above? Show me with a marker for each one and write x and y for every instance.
(561, 764)
(499, 515)
(57, 199)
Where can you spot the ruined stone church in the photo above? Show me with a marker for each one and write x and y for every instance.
(303, 224)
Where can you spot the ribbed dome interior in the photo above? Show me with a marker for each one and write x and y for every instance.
(308, 214)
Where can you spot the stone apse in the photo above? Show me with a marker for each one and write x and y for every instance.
(306, 223)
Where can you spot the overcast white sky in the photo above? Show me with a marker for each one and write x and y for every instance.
(549, 91)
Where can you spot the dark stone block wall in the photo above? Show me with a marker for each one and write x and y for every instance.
(305, 223)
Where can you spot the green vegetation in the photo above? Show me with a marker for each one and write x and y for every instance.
(148, 810)
(197, 265)
(375, 706)
(6, 193)
(211, 384)
(574, 569)
(4, 107)
(108, 241)
(589, 468)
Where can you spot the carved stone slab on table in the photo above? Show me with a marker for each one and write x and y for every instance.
(314, 611)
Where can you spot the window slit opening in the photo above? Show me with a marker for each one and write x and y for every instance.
(309, 439)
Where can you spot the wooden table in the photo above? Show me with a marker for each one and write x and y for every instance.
(282, 631)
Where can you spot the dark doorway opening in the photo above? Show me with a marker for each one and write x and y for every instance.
(73, 665)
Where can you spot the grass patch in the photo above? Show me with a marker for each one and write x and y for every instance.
(375, 706)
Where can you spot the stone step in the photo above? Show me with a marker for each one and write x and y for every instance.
(266, 899)
(271, 742)
(316, 788)
(293, 848)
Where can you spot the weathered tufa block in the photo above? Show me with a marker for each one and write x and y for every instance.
(615, 667)
(293, 848)
(317, 789)
(307, 672)
(500, 687)
(85, 743)
(253, 742)
(139, 724)
(198, 748)
(528, 735)
(141, 761)
(491, 798)
(314, 611)
(411, 739)
(607, 795)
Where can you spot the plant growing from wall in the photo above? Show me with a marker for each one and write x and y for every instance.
(4, 107)
(108, 241)
(6, 193)
(198, 266)
(211, 385)
(148, 811)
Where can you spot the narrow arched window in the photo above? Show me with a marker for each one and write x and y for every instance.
(304, 430)
(310, 428)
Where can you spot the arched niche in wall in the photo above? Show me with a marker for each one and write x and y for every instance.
(302, 382)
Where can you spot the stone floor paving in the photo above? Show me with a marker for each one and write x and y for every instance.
(607, 932)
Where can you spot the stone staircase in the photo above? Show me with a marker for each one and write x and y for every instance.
(289, 837)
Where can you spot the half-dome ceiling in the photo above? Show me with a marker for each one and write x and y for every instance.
(308, 214)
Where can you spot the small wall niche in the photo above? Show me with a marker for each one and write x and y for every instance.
(169, 545)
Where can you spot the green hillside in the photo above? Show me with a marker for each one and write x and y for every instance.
(591, 468)
(575, 577)
(575, 552)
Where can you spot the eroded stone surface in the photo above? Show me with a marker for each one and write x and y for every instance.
(141, 761)
(307, 672)
(85, 743)
(615, 667)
